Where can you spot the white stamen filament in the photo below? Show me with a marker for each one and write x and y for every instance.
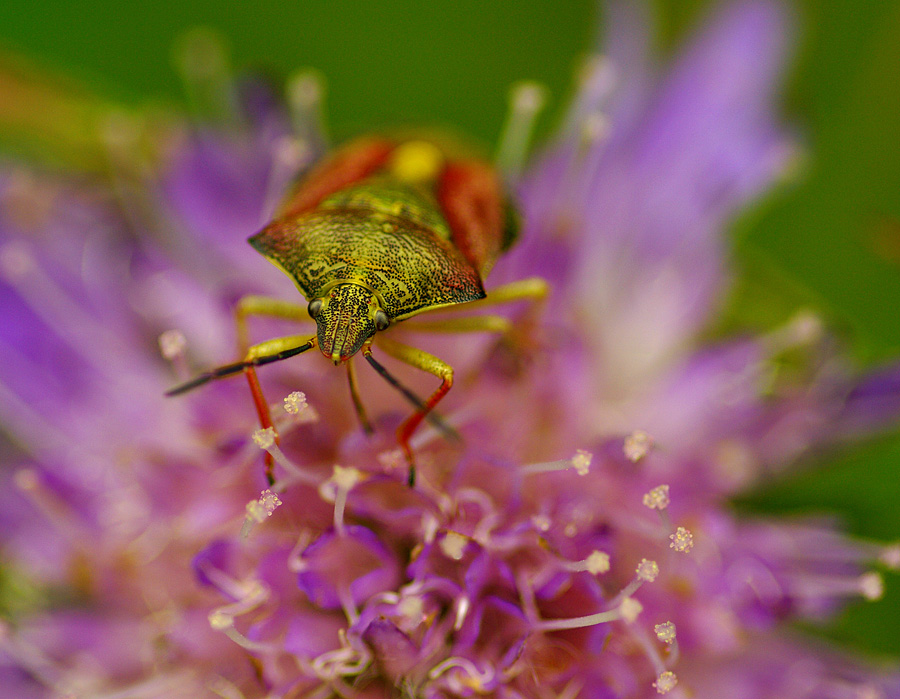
(595, 564)
(467, 666)
(527, 99)
(462, 609)
(172, 344)
(289, 156)
(265, 439)
(336, 490)
(580, 621)
(305, 94)
(250, 594)
(341, 662)
(869, 585)
(579, 463)
(647, 571)
(202, 61)
(295, 562)
(348, 605)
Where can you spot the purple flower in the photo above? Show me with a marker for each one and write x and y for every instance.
(578, 543)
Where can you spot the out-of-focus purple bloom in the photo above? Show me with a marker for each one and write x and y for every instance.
(576, 545)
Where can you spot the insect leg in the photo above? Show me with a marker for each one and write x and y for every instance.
(263, 353)
(357, 402)
(433, 365)
(256, 355)
(534, 289)
(462, 324)
(263, 306)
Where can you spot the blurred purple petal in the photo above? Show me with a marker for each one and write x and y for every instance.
(352, 566)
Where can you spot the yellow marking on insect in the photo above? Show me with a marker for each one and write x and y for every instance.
(416, 161)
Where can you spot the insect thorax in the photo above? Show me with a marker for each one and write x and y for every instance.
(382, 234)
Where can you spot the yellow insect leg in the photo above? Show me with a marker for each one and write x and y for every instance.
(426, 362)
(357, 401)
(264, 306)
(462, 324)
(533, 289)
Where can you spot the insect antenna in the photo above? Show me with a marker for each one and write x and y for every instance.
(236, 368)
(420, 405)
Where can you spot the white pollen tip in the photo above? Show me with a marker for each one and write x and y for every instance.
(528, 96)
(291, 152)
(665, 632)
(630, 609)
(262, 508)
(172, 344)
(682, 540)
(541, 522)
(658, 498)
(392, 460)
(595, 127)
(647, 571)
(219, 620)
(305, 89)
(890, 556)
(264, 438)
(665, 682)
(581, 462)
(597, 562)
(637, 445)
(453, 545)
(295, 402)
(346, 477)
(871, 586)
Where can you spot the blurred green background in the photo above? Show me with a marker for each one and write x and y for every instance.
(830, 240)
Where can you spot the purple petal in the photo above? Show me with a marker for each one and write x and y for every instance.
(356, 563)
(218, 555)
(395, 652)
(873, 404)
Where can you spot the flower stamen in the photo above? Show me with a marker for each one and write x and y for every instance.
(526, 100)
(637, 445)
(337, 488)
(682, 540)
(264, 438)
(305, 90)
(580, 463)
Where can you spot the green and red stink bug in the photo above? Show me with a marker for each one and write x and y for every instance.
(381, 231)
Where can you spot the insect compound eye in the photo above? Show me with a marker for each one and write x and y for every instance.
(381, 320)
(314, 307)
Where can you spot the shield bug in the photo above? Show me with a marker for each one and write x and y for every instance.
(381, 231)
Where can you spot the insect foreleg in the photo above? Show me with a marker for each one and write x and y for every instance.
(264, 306)
(264, 353)
(433, 365)
(357, 401)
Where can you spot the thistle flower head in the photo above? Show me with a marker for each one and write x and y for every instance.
(552, 552)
